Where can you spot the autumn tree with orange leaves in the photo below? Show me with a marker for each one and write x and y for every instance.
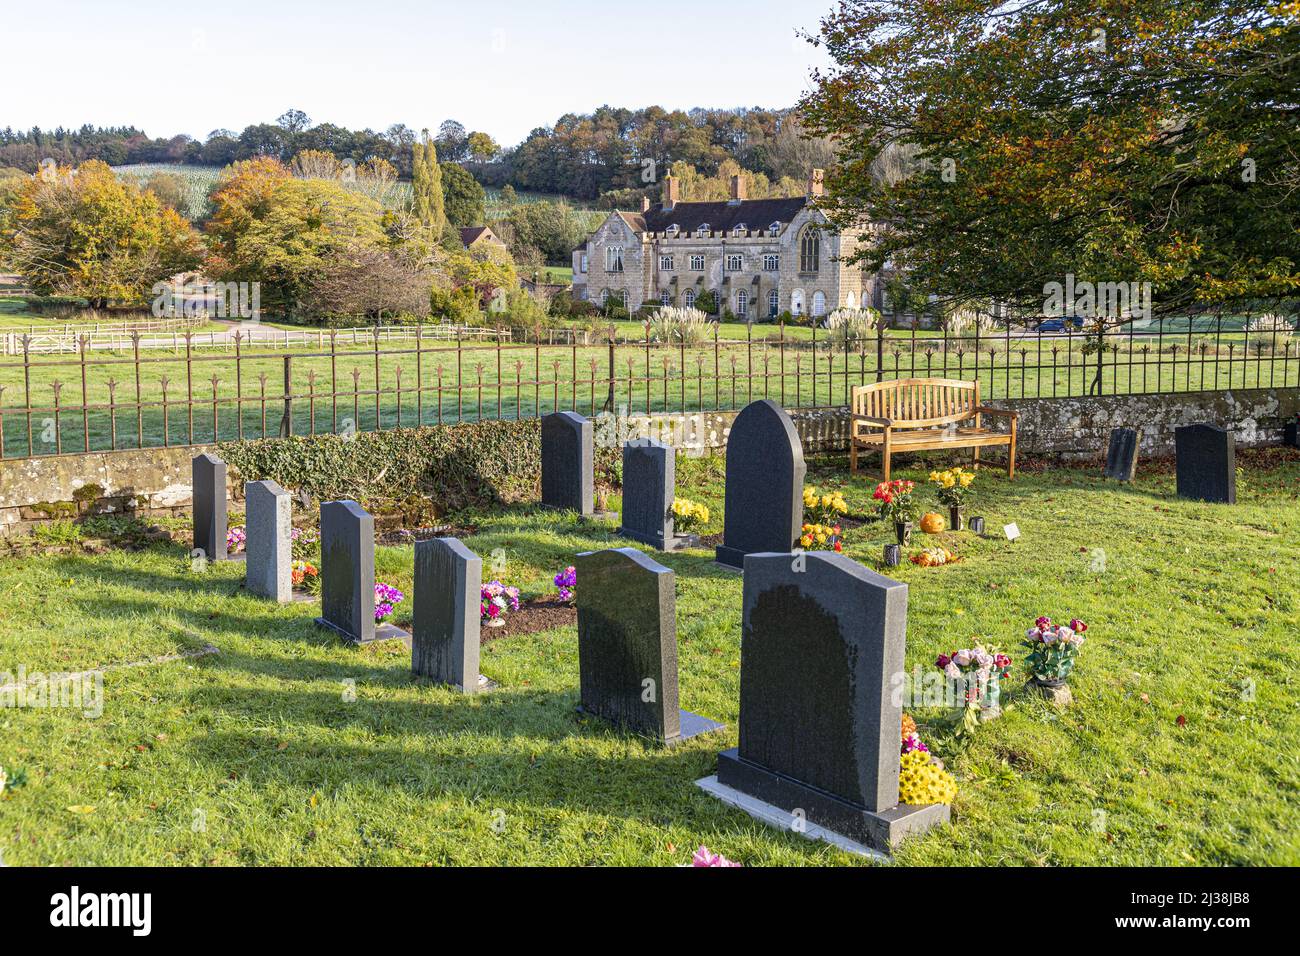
(997, 147)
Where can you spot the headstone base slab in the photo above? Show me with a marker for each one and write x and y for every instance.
(692, 725)
(780, 819)
(880, 831)
(732, 558)
(237, 556)
(303, 597)
(383, 632)
(600, 516)
(678, 542)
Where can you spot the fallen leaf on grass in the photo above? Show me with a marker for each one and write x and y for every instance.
(81, 808)
(1181, 721)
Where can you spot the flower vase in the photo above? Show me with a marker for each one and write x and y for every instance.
(955, 520)
(893, 555)
(903, 531)
(1054, 689)
(991, 704)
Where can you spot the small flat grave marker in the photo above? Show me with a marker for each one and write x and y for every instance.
(1012, 531)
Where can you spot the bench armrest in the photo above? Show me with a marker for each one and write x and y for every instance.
(882, 422)
(988, 410)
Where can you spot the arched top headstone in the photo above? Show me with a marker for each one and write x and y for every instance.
(765, 475)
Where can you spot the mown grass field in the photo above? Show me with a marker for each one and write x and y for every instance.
(1180, 749)
(443, 383)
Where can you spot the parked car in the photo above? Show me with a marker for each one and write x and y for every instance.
(1058, 325)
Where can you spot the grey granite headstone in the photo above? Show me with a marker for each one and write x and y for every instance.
(347, 572)
(268, 527)
(445, 634)
(1206, 463)
(821, 658)
(649, 480)
(765, 473)
(568, 460)
(627, 645)
(1121, 455)
(208, 481)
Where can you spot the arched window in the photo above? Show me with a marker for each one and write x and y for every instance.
(688, 298)
(665, 297)
(604, 297)
(773, 304)
(742, 303)
(810, 251)
(819, 303)
(796, 302)
(850, 300)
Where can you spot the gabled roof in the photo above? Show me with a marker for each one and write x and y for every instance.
(471, 234)
(719, 216)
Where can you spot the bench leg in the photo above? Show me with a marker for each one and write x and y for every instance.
(884, 451)
(975, 458)
(1011, 456)
(853, 457)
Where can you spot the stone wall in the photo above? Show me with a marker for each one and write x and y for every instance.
(157, 480)
(153, 481)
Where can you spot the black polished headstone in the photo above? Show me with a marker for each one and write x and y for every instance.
(1121, 455)
(627, 645)
(765, 474)
(208, 481)
(568, 460)
(347, 571)
(1206, 463)
(822, 654)
(649, 480)
(445, 633)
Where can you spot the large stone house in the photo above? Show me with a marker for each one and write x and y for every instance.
(760, 258)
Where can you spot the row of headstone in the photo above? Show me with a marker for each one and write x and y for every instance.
(822, 651)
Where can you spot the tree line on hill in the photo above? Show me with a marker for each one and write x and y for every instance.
(612, 152)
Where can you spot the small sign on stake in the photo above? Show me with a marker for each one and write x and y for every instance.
(1012, 531)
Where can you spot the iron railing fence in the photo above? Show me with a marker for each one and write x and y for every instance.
(135, 399)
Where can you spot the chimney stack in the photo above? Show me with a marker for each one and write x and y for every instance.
(645, 203)
(738, 188)
(670, 191)
(815, 183)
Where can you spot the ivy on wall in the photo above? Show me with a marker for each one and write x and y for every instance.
(457, 466)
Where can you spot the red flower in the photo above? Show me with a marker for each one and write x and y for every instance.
(838, 546)
(942, 661)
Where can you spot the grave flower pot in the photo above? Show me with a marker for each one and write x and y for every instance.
(903, 531)
(893, 555)
(977, 525)
(955, 519)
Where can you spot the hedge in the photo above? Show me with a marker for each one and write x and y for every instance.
(457, 466)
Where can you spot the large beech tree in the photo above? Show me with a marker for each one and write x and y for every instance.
(997, 147)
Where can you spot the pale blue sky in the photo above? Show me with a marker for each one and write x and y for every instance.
(503, 66)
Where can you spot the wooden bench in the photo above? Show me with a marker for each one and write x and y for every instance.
(923, 414)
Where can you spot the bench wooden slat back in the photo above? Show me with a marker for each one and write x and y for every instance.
(918, 402)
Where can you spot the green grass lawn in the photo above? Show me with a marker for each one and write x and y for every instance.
(1163, 759)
